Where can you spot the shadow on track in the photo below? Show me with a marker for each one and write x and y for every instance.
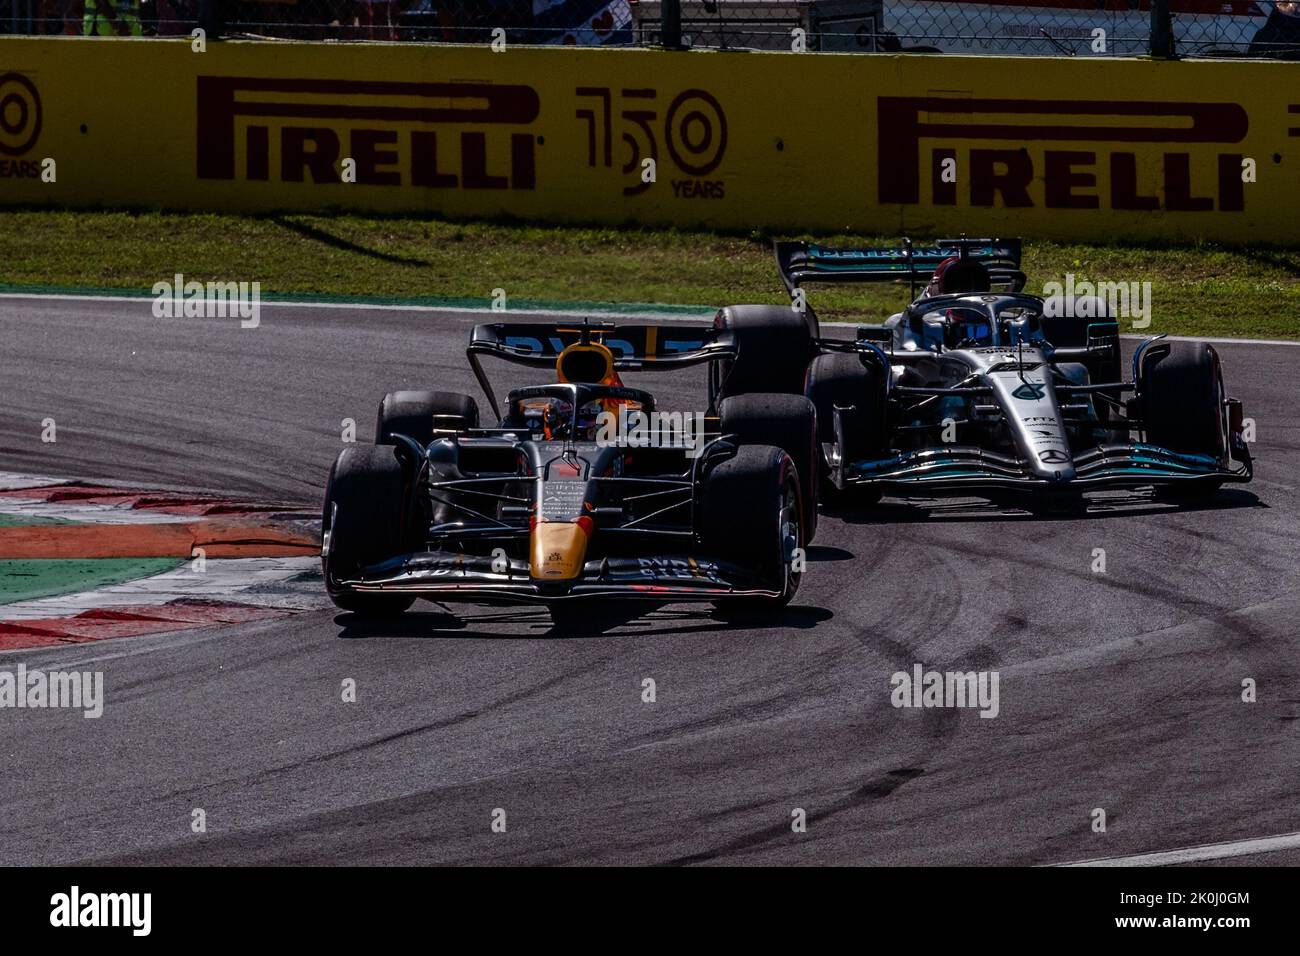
(914, 511)
(583, 621)
(591, 618)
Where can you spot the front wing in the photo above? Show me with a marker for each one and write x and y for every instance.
(969, 470)
(449, 576)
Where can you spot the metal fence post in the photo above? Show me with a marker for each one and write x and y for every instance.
(1162, 31)
(210, 18)
(670, 24)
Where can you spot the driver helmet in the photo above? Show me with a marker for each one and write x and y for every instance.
(953, 275)
(965, 327)
(548, 416)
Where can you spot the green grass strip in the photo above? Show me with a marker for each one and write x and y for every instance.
(1195, 289)
(24, 579)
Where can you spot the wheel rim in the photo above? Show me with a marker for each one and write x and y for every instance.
(1220, 395)
(791, 526)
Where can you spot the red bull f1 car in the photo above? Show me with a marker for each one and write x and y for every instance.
(542, 505)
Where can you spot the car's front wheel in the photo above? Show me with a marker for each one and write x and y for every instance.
(364, 521)
(786, 421)
(753, 517)
(1182, 407)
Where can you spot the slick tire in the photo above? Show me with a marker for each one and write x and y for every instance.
(773, 346)
(1182, 399)
(364, 517)
(752, 517)
(840, 380)
(1182, 408)
(787, 421)
(417, 413)
(1071, 331)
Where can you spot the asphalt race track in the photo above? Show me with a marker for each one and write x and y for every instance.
(1118, 690)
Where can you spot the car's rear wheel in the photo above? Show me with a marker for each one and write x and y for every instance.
(1069, 329)
(773, 346)
(752, 516)
(839, 380)
(416, 413)
(787, 421)
(364, 522)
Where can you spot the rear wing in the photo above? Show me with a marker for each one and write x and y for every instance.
(634, 346)
(802, 262)
(648, 347)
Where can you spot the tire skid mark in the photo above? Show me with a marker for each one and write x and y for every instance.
(407, 733)
(877, 788)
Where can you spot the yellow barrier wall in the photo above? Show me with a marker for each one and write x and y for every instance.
(1069, 148)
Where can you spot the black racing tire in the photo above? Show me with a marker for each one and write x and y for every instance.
(1181, 388)
(412, 413)
(773, 346)
(1071, 332)
(787, 421)
(1064, 318)
(840, 379)
(752, 506)
(365, 518)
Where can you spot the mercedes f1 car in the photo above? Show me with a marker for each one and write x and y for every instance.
(980, 389)
(546, 505)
